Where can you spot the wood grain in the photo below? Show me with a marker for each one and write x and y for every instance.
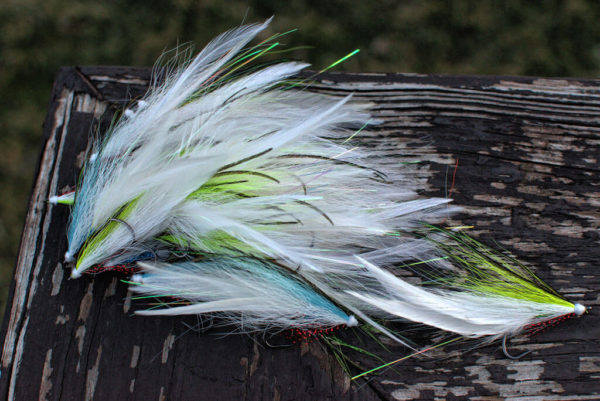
(528, 176)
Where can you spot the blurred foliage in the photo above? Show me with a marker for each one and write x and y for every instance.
(541, 38)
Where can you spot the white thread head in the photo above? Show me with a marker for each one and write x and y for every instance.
(53, 200)
(137, 278)
(352, 322)
(129, 113)
(69, 257)
(579, 309)
(75, 273)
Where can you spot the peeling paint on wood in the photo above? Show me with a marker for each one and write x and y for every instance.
(57, 279)
(135, 356)
(80, 336)
(127, 302)
(62, 319)
(46, 384)
(112, 288)
(255, 359)
(167, 345)
(92, 377)
(86, 303)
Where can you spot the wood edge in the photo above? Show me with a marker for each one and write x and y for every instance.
(66, 78)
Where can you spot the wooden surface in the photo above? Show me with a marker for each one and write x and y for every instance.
(528, 176)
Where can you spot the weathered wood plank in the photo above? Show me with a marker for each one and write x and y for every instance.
(528, 176)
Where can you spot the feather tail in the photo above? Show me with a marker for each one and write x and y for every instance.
(252, 293)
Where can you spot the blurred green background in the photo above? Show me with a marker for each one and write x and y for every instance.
(540, 38)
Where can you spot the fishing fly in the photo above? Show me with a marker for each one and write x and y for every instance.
(233, 191)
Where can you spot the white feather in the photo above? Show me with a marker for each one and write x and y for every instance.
(470, 314)
(253, 294)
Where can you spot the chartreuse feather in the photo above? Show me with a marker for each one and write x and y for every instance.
(238, 183)
(216, 242)
(489, 272)
(95, 240)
